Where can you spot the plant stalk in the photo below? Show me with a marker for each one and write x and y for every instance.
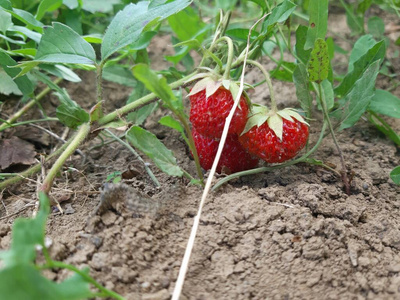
(274, 106)
(81, 134)
(140, 102)
(27, 106)
(328, 120)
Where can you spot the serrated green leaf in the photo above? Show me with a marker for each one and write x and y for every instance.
(395, 175)
(301, 37)
(71, 116)
(318, 22)
(60, 44)
(357, 100)
(385, 103)
(47, 6)
(24, 84)
(300, 79)
(279, 14)
(144, 40)
(318, 66)
(119, 74)
(128, 24)
(149, 144)
(376, 53)
(22, 15)
(361, 47)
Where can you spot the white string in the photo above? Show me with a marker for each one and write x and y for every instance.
(189, 248)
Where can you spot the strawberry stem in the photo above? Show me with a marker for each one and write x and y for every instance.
(328, 120)
(274, 106)
(230, 57)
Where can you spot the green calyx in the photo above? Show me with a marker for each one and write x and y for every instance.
(260, 114)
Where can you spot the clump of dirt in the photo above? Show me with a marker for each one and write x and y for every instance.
(289, 234)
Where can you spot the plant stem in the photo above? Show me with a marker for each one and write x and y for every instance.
(140, 102)
(32, 170)
(27, 106)
(230, 57)
(32, 121)
(328, 120)
(99, 85)
(81, 134)
(274, 106)
(137, 156)
(268, 169)
(57, 264)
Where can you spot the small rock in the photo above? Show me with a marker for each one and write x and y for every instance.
(68, 209)
(394, 268)
(160, 295)
(109, 218)
(99, 260)
(352, 248)
(145, 286)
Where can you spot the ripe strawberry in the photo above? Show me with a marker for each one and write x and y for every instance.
(208, 114)
(233, 158)
(279, 138)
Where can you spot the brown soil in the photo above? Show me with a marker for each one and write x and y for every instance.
(290, 234)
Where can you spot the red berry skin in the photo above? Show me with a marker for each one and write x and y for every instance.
(208, 115)
(262, 142)
(233, 158)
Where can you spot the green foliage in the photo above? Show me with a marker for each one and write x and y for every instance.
(318, 23)
(318, 66)
(395, 175)
(129, 23)
(148, 143)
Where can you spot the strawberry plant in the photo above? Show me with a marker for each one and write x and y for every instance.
(48, 42)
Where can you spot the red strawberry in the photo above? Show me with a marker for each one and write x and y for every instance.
(288, 136)
(208, 114)
(233, 159)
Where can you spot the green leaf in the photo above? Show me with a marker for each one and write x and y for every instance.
(157, 85)
(29, 33)
(24, 281)
(385, 128)
(60, 44)
(361, 47)
(61, 71)
(26, 235)
(119, 74)
(24, 84)
(385, 103)
(22, 15)
(284, 74)
(376, 53)
(5, 21)
(279, 14)
(328, 95)
(395, 175)
(300, 79)
(172, 123)
(149, 144)
(186, 24)
(128, 24)
(363, 6)
(376, 27)
(46, 6)
(301, 37)
(103, 6)
(241, 34)
(318, 22)
(261, 3)
(357, 100)
(7, 85)
(318, 66)
(143, 41)
(226, 5)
